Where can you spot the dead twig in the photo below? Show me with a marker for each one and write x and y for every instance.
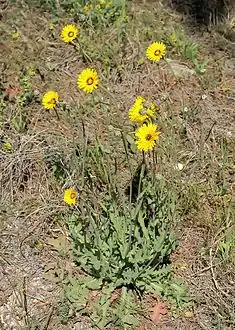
(45, 327)
(25, 305)
(213, 276)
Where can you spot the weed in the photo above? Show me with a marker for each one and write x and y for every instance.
(25, 98)
(93, 13)
(56, 163)
(123, 246)
(188, 50)
(63, 311)
(226, 246)
(123, 204)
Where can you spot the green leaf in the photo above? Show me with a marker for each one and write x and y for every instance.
(60, 244)
(130, 320)
(93, 283)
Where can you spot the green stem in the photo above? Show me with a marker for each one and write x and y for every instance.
(57, 115)
(79, 49)
(129, 165)
(108, 92)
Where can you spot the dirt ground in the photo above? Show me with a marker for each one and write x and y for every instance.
(31, 199)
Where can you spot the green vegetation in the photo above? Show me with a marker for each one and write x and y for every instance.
(112, 106)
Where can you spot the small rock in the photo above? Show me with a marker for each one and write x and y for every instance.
(229, 67)
(188, 314)
(204, 97)
(180, 70)
(180, 166)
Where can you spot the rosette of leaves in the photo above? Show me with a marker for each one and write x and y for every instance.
(127, 245)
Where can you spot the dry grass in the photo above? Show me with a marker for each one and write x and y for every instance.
(197, 118)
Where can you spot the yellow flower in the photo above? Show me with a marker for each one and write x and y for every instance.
(88, 80)
(50, 99)
(147, 135)
(141, 111)
(152, 107)
(69, 33)
(156, 51)
(70, 196)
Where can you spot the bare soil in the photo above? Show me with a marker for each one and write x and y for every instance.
(31, 199)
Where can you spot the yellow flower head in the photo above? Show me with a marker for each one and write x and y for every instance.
(147, 135)
(50, 99)
(70, 196)
(88, 80)
(69, 33)
(156, 51)
(141, 111)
